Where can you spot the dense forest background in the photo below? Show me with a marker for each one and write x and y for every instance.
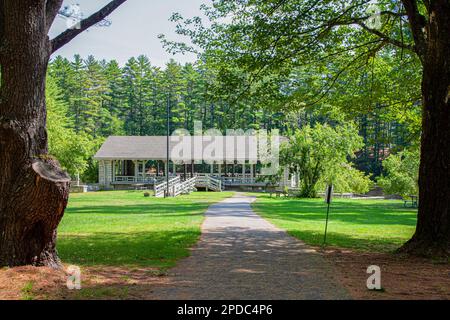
(89, 100)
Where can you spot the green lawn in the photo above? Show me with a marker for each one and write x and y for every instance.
(125, 228)
(368, 225)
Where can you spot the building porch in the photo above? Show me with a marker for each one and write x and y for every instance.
(120, 174)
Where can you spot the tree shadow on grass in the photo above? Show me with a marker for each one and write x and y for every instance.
(335, 239)
(153, 249)
(153, 209)
(352, 213)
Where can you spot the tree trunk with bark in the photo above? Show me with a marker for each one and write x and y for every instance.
(33, 188)
(432, 236)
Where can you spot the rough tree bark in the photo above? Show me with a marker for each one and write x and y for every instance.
(432, 38)
(33, 188)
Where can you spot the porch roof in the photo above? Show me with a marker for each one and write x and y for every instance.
(154, 148)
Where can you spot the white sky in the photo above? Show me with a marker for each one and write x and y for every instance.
(134, 30)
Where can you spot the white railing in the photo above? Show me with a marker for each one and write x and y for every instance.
(203, 179)
(124, 179)
(184, 187)
(134, 179)
(240, 180)
(177, 187)
(237, 179)
(160, 188)
(214, 184)
(209, 182)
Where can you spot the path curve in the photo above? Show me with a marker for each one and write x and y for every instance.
(242, 256)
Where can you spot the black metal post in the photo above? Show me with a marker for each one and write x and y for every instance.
(167, 142)
(326, 225)
(328, 197)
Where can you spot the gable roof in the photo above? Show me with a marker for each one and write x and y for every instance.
(154, 147)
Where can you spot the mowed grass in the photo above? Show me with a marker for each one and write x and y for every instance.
(127, 229)
(367, 225)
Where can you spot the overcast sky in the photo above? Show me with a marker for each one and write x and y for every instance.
(134, 30)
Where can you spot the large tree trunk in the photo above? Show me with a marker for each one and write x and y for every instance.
(33, 190)
(432, 237)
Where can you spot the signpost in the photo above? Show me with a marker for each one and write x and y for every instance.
(328, 198)
(167, 194)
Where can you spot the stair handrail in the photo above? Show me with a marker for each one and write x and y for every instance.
(160, 188)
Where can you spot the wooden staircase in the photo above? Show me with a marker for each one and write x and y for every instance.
(161, 187)
(177, 187)
(209, 183)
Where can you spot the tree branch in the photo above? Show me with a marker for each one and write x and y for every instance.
(417, 23)
(69, 34)
(360, 21)
(51, 8)
(385, 37)
(368, 53)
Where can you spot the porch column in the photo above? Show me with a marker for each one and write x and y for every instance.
(144, 173)
(243, 169)
(220, 169)
(157, 168)
(108, 174)
(101, 172)
(211, 171)
(251, 170)
(136, 170)
(105, 173)
(113, 170)
(174, 166)
(185, 170)
(285, 182)
(192, 168)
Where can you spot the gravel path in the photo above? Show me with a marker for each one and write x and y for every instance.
(242, 256)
